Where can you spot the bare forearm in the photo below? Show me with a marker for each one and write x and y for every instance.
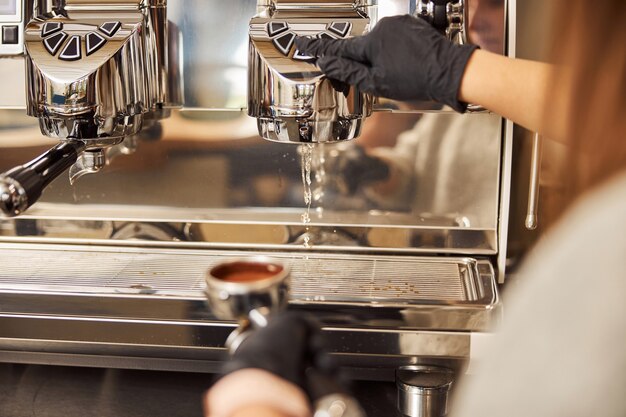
(259, 411)
(516, 89)
(255, 392)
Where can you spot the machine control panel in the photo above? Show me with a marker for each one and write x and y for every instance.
(283, 35)
(51, 27)
(11, 27)
(54, 42)
(55, 39)
(93, 42)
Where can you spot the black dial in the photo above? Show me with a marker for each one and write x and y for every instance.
(93, 42)
(71, 51)
(54, 42)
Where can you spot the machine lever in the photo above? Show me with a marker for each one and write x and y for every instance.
(22, 186)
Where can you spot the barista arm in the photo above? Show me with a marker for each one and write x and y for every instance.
(516, 89)
(255, 393)
(259, 411)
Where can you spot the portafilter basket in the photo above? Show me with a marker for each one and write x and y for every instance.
(247, 290)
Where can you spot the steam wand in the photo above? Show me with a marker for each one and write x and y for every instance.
(22, 186)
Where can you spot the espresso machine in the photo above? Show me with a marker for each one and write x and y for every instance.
(290, 98)
(97, 72)
(110, 271)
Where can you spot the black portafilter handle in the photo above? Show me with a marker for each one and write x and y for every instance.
(22, 186)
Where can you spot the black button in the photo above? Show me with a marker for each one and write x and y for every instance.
(274, 28)
(301, 57)
(93, 42)
(54, 42)
(340, 28)
(71, 52)
(324, 35)
(10, 35)
(284, 43)
(109, 28)
(51, 27)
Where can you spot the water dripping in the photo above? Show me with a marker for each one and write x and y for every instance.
(306, 154)
(318, 163)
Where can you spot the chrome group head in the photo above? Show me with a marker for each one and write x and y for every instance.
(291, 98)
(98, 71)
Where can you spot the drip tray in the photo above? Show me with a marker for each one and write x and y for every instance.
(165, 287)
(315, 277)
(145, 307)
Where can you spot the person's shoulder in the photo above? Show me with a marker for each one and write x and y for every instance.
(565, 307)
(589, 242)
(607, 198)
(599, 213)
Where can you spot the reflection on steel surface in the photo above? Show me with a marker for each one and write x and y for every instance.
(291, 99)
(102, 94)
(149, 304)
(450, 17)
(229, 187)
(96, 74)
(405, 283)
(215, 54)
(265, 230)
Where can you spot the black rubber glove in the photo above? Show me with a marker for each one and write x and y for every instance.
(402, 58)
(290, 347)
(357, 168)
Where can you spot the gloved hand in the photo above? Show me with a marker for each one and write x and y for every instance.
(291, 348)
(402, 58)
(357, 168)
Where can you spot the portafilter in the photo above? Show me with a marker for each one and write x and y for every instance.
(248, 290)
(96, 72)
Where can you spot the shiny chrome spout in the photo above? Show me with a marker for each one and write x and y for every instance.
(290, 97)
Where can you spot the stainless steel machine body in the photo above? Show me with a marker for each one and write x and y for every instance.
(109, 271)
(290, 97)
(423, 390)
(97, 72)
(94, 72)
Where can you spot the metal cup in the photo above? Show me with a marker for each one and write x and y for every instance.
(248, 289)
(423, 390)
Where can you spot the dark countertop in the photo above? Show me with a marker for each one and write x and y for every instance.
(56, 391)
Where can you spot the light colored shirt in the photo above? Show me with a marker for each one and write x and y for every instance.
(561, 349)
(449, 166)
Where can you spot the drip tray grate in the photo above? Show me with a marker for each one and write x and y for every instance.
(315, 276)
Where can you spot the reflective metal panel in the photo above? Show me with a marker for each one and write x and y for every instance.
(215, 35)
(377, 311)
(424, 181)
(216, 43)
(290, 97)
(431, 186)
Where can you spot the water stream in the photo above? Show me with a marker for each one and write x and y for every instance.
(306, 153)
